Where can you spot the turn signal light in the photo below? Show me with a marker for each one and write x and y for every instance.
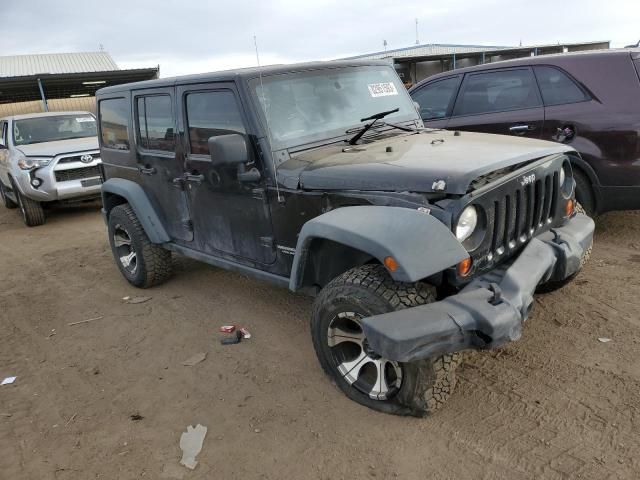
(464, 267)
(569, 208)
(391, 264)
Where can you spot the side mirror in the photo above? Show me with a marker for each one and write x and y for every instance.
(228, 149)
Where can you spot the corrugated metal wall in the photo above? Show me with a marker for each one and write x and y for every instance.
(55, 105)
(18, 65)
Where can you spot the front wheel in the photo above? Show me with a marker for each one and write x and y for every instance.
(32, 212)
(417, 388)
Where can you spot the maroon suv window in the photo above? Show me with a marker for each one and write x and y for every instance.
(557, 88)
(497, 91)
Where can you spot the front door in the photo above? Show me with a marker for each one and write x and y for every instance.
(160, 162)
(231, 217)
(505, 102)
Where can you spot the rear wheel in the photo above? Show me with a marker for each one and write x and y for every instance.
(143, 263)
(8, 203)
(416, 388)
(32, 212)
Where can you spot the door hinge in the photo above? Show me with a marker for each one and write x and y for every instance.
(267, 242)
(259, 194)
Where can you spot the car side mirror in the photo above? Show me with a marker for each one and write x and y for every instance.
(228, 149)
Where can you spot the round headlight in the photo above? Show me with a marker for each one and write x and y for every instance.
(563, 176)
(466, 223)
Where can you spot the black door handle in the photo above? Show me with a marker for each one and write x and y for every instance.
(147, 170)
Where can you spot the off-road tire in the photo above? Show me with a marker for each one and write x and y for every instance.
(32, 212)
(584, 193)
(153, 262)
(7, 202)
(584, 259)
(370, 290)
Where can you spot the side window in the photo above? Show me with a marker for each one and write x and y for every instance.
(497, 92)
(114, 129)
(557, 88)
(434, 99)
(155, 123)
(210, 114)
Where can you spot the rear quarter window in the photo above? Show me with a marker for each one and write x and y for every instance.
(114, 123)
(557, 87)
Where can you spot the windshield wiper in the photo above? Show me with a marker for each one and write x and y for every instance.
(375, 118)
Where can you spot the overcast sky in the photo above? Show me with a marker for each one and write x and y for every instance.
(190, 36)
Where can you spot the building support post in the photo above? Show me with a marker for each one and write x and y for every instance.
(44, 99)
(483, 57)
(454, 61)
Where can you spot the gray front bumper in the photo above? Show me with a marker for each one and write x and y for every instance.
(488, 312)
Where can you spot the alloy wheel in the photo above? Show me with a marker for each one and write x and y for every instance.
(124, 249)
(357, 363)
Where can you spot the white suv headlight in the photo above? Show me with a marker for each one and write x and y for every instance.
(29, 163)
(466, 223)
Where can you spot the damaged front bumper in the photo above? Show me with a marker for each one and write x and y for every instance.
(488, 312)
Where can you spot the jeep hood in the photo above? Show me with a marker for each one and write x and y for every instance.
(52, 149)
(412, 162)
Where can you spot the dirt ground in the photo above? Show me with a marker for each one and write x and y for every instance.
(557, 404)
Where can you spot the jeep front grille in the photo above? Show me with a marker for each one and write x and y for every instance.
(77, 173)
(521, 213)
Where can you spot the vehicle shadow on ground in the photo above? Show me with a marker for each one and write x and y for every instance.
(63, 212)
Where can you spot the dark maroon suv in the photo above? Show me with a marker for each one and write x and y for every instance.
(589, 100)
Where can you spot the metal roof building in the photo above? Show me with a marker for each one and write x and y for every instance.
(60, 81)
(421, 61)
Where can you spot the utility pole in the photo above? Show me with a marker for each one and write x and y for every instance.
(417, 41)
(384, 42)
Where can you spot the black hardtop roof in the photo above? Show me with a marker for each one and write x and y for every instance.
(551, 59)
(232, 75)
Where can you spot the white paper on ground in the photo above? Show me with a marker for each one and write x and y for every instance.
(8, 381)
(191, 443)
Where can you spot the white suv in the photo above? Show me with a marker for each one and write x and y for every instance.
(46, 157)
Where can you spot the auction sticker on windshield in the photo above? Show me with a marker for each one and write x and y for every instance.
(382, 89)
(85, 119)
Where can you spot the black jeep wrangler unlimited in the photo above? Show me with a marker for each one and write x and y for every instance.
(416, 243)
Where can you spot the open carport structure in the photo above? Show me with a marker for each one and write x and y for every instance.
(60, 81)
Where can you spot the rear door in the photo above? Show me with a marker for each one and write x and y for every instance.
(160, 163)
(505, 101)
(436, 100)
(231, 217)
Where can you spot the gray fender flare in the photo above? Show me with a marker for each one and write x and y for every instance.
(135, 196)
(420, 243)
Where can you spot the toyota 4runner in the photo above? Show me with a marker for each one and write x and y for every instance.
(47, 157)
(416, 243)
